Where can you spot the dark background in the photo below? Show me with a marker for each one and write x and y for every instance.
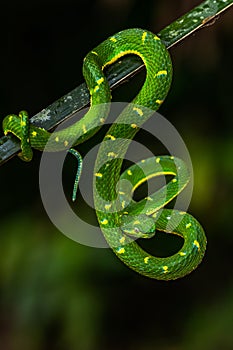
(57, 294)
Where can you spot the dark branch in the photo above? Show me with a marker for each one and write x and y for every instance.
(119, 73)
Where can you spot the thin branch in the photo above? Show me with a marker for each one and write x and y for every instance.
(202, 15)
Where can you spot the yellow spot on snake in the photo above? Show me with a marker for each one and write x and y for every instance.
(144, 34)
(196, 243)
(98, 175)
(10, 118)
(149, 198)
(57, 139)
(100, 81)
(157, 160)
(161, 72)
(188, 225)
(34, 133)
(182, 253)
(159, 102)
(123, 204)
(138, 110)
(84, 129)
(121, 192)
(96, 88)
(129, 172)
(120, 250)
(182, 212)
(114, 40)
(136, 222)
(66, 143)
(111, 137)
(112, 154)
(95, 53)
(107, 206)
(143, 160)
(122, 240)
(134, 126)
(104, 222)
(146, 259)
(174, 180)
(156, 37)
(102, 120)
(22, 123)
(165, 269)
(154, 215)
(172, 157)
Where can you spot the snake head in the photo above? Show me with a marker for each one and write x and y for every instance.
(19, 126)
(10, 124)
(140, 226)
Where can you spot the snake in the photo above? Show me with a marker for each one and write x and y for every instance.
(124, 221)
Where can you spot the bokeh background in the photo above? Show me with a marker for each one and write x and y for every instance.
(57, 294)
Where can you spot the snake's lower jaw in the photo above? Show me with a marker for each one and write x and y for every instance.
(138, 234)
(147, 235)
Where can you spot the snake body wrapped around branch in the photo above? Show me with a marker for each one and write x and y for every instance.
(121, 219)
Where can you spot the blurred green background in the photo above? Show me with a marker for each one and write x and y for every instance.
(57, 294)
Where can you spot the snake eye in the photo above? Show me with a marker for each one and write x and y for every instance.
(136, 230)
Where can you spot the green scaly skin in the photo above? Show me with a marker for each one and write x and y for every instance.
(120, 218)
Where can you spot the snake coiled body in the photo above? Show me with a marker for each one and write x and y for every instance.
(120, 218)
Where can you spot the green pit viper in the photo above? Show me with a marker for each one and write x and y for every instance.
(121, 219)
